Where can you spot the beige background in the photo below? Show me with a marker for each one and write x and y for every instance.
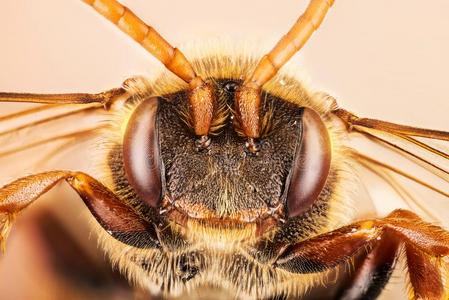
(380, 58)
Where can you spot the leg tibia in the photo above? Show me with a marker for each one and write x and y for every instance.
(426, 247)
(114, 216)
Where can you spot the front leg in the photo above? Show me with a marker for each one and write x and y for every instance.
(426, 249)
(371, 273)
(118, 219)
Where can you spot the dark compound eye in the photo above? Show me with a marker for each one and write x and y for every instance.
(141, 152)
(230, 86)
(311, 164)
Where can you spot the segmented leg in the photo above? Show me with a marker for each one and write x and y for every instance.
(104, 98)
(119, 220)
(372, 272)
(352, 120)
(426, 249)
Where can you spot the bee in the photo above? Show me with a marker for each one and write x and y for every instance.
(224, 174)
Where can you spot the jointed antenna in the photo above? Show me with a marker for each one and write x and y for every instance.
(146, 36)
(248, 97)
(201, 96)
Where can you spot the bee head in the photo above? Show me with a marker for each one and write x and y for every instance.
(225, 177)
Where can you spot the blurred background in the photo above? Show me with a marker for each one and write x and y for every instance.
(382, 59)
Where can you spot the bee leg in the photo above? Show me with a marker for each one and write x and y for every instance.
(372, 273)
(352, 121)
(103, 98)
(118, 219)
(426, 249)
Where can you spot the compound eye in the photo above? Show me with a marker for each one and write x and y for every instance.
(311, 164)
(141, 152)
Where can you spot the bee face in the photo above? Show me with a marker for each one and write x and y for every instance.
(223, 182)
(218, 200)
(224, 179)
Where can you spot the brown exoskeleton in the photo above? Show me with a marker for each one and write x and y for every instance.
(229, 179)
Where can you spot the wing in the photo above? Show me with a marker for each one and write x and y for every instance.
(416, 167)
